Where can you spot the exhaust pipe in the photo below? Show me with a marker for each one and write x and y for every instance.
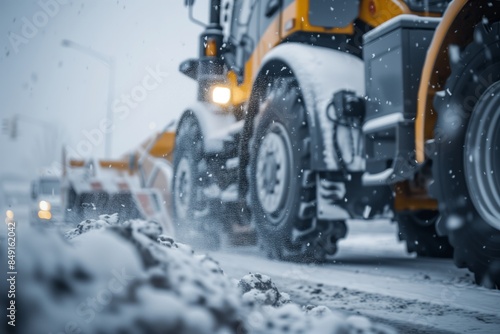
(211, 64)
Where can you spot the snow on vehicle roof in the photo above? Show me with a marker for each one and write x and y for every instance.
(405, 20)
(85, 179)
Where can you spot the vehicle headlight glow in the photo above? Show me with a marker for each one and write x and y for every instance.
(221, 94)
(10, 214)
(44, 206)
(44, 214)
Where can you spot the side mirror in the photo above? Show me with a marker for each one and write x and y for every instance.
(190, 4)
(272, 7)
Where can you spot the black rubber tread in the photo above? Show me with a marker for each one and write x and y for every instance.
(476, 244)
(422, 239)
(200, 231)
(283, 104)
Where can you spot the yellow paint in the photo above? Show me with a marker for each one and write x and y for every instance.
(76, 163)
(211, 48)
(114, 164)
(384, 10)
(426, 118)
(239, 93)
(164, 145)
(407, 198)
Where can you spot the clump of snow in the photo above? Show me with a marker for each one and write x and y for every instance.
(92, 224)
(258, 288)
(290, 318)
(124, 278)
(108, 276)
(454, 52)
(454, 222)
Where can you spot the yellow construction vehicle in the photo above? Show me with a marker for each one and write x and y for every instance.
(311, 112)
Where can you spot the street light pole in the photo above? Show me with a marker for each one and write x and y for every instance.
(110, 63)
(109, 113)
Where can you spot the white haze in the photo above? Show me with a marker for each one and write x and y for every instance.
(60, 92)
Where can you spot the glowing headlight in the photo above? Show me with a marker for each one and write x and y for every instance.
(44, 206)
(221, 94)
(44, 215)
(9, 214)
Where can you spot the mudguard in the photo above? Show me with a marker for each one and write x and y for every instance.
(215, 124)
(456, 28)
(320, 73)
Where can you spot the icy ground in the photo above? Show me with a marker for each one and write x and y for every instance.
(373, 276)
(108, 276)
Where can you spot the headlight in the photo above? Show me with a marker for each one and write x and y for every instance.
(9, 214)
(221, 94)
(44, 206)
(44, 215)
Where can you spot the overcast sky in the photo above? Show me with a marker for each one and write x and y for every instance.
(60, 94)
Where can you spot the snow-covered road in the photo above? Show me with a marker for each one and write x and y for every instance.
(373, 275)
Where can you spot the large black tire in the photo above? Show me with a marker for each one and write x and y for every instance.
(193, 221)
(282, 187)
(418, 229)
(466, 112)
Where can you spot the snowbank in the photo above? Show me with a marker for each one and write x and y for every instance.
(111, 277)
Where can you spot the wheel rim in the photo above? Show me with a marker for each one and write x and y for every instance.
(183, 188)
(273, 171)
(482, 155)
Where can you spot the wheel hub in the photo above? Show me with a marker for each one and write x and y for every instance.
(271, 167)
(273, 164)
(183, 188)
(482, 156)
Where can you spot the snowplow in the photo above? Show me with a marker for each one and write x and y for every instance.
(135, 186)
(311, 113)
(45, 199)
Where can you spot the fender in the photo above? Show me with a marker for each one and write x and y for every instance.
(456, 28)
(212, 120)
(320, 72)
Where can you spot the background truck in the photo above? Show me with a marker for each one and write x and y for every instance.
(310, 113)
(134, 186)
(46, 206)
